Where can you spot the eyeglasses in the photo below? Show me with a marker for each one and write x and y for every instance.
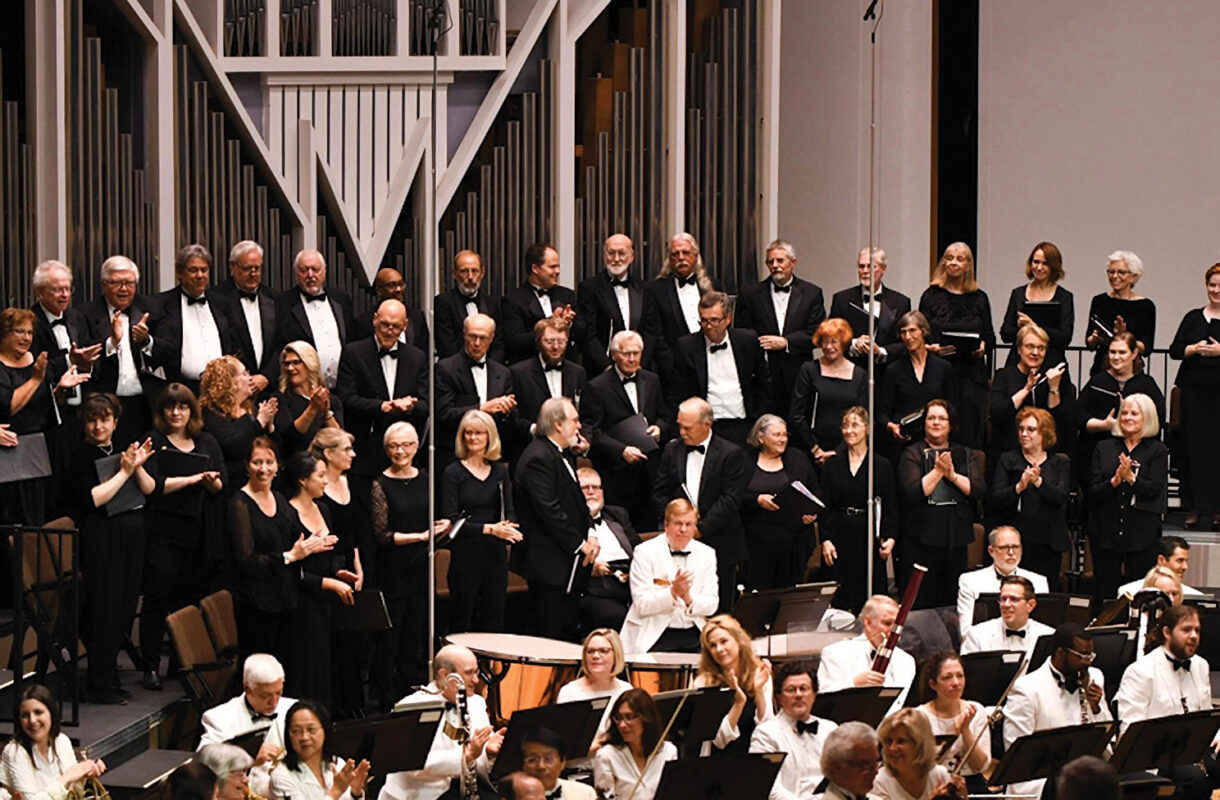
(865, 764)
(624, 717)
(533, 761)
(1113, 272)
(1087, 658)
(120, 284)
(598, 651)
(1007, 548)
(1034, 348)
(711, 320)
(793, 691)
(396, 446)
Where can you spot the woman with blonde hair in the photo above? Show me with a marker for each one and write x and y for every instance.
(601, 663)
(727, 658)
(909, 752)
(477, 488)
(955, 305)
(225, 397)
(306, 406)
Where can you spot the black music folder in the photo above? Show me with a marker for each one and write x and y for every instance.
(250, 741)
(1213, 329)
(1100, 403)
(740, 776)
(128, 497)
(28, 459)
(367, 614)
(698, 717)
(1044, 313)
(633, 431)
(1166, 741)
(176, 464)
(964, 343)
(795, 502)
(576, 723)
(1042, 754)
(395, 742)
(945, 493)
(867, 704)
(911, 425)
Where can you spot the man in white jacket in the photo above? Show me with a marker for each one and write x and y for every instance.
(794, 731)
(849, 662)
(1004, 547)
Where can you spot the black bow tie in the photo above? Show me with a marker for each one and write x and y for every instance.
(679, 552)
(1011, 632)
(450, 706)
(256, 716)
(775, 287)
(630, 378)
(248, 295)
(314, 298)
(555, 794)
(124, 311)
(392, 352)
(806, 727)
(553, 367)
(689, 280)
(1068, 683)
(596, 520)
(201, 300)
(478, 364)
(716, 348)
(60, 321)
(542, 292)
(624, 282)
(1178, 663)
(695, 448)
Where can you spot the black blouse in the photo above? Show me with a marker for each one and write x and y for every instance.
(1007, 382)
(818, 403)
(480, 502)
(1102, 394)
(949, 525)
(259, 543)
(321, 565)
(235, 437)
(969, 312)
(400, 505)
(1060, 334)
(1039, 513)
(348, 520)
(291, 406)
(78, 488)
(1127, 518)
(903, 393)
(1196, 372)
(1139, 316)
(842, 490)
(189, 501)
(37, 414)
(760, 523)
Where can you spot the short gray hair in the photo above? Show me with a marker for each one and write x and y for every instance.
(760, 427)
(191, 251)
(622, 337)
(1132, 261)
(402, 426)
(874, 604)
(118, 264)
(995, 532)
(698, 406)
(261, 668)
(780, 244)
(837, 749)
(224, 759)
(878, 255)
(42, 273)
(296, 260)
(241, 248)
(554, 410)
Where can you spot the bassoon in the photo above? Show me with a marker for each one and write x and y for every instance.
(881, 661)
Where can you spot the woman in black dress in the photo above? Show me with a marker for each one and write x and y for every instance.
(938, 486)
(1127, 496)
(229, 415)
(1032, 381)
(186, 550)
(1121, 309)
(322, 574)
(1197, 346)
(825, 387)
(1097, 406)
(27, 406)
(1043, 271)
(306, 406)
(111, 545)
(399, 502)
(348, 510)
(909, 383)
(844, 524)
(960, 315)
(477, 488)
(1029, 491)
(778, 549)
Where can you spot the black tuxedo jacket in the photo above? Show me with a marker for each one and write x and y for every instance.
(664, 322)
(721, 488)
(45, 342)
(520, 311)
(294, 324)
(552, 513)
(529, 384)
(605, 404)
(806, 310)
(417, 328)
(361, 387)
(266, 363)
(93, 321)
(848, 305)
(598, 308)
(166, 324)
(690, 370)
(449, 312)
(456, 394)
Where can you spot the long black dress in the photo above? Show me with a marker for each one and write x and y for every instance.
(186, 550)
(311, 622)
(1199, 382)
(350, 520)
(400, 505)
(845, 524)
(778, 553)
(902, 393)
(969, 312)
(25, 502)
(478, 565)
(1097, 398)
(1060, 334)
(1139, 315)
(1126, 519)
(111, 559)
(267, 588)
(818, 403)
(291, 406)
(1039, 512)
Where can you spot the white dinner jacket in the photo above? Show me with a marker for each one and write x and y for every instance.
(232, 718)
(444, 762)
(1151, 688)
(986, 581)
(843, 661)
(1134, 586)
(653, 607)
(801, 771)
(990, 635)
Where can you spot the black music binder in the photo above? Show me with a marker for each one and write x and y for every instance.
(1044, 313)
(128, 497)
(28, 459)
(633, 431)
(867, 704)
(795, 501)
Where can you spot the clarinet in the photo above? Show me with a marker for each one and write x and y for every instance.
(1085, 716)
(468, 778)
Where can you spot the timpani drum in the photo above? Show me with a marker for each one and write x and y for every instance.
(521, 671)
(662, 672)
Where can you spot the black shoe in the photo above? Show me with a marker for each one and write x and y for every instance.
(107, 697)
(152, 681)
(121, 692)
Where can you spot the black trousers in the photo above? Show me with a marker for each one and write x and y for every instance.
(851, 566)
(601, 612)
(112, 560)
(773, 564)
(726, 576)
(399, 660)
(555, 611)
(173, 578)
(945, 565)
(308, 671)
(1040, 558)
(1108, 568)
(478, 586)
(261, 631)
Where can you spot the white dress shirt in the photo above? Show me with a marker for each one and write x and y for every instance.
(993, 635)
(389, 369)
(544, 300)
(887, 787)
(694, 470)
(553, 377)
(302, 784)
(479, 376)
(128, 384)
(801, 771)
(444, 762)
(472, 307)
(200, 337)
(37, 778)
(653, 606)
(327, 342)
(1152, 688)
(632, 390)
(254, 325)
(234, 717)
(987, 581)
(688, 299)
(948, 727)
(724, 392)
(779, 302)
(64, 342)
(615, 773)
(844, 660)
(611, 549)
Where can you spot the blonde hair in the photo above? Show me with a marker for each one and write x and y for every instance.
(327, 439)
(616, 646)
(1152, 424)
(916, 725)
(476, 417)
(710, 672)
(940, 276)
(309, 359)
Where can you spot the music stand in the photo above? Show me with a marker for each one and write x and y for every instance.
(700, 716)
(251, 741)
(739, 776)
(867, 704)
(773, 610)
(575, 723)
(988, 674)
(1053, 608)
(395, 742)
(1166, 742)
(1209, 620)
(1042, 754)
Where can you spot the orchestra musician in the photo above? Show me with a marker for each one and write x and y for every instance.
(542, 757)
(851, 756)
(941, 683)
(849, 662)
(1004, 547)
(630, 764)
(230, 764)
(309, 771)
(795, 731)
(727, 658)
(909, 751)
(1013, 629)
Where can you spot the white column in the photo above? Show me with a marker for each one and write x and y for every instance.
(46, 33)
(769, 30)
(562, 49)
(160, 131)
(675, 117)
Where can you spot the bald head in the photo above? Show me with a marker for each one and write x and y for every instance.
(389, 322)
(618, 254)
(388, 284)
(455, 661)
(477, 332)
(520, 786)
